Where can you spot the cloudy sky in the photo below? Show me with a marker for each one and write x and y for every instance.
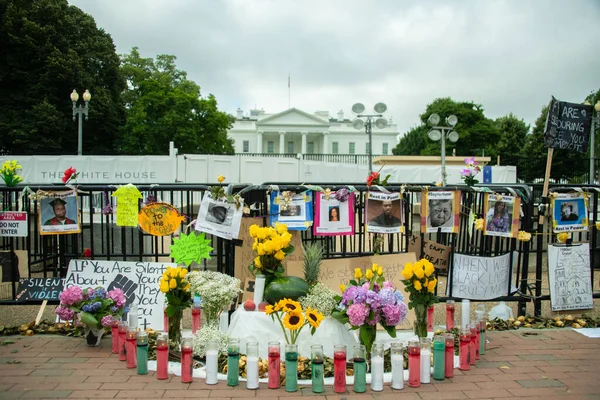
(508, 56)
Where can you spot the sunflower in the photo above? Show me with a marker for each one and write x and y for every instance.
(314, 317)
(289, 305)
(269, 310)
(293, 320)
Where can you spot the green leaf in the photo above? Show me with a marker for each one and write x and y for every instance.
(391, 330)
(88, 319)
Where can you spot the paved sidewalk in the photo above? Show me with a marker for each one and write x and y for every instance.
(523, 364)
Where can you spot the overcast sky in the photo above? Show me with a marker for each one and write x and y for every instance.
(509, 56)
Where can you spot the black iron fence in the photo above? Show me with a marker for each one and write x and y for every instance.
(565, 170)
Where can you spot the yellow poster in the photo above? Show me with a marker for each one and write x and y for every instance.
(159, 219)
(127, 205)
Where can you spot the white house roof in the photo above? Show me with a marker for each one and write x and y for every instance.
(293, 116)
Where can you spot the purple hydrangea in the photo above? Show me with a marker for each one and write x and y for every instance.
(71, 295)
(388, 285)
(387, 296)
(107, 321)
(100, 293)
(65, 314)
(373, 321)
(394, 313)
(373, 299)
(357, 314)
(117, 296)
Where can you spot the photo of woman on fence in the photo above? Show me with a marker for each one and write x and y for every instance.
(498, 218)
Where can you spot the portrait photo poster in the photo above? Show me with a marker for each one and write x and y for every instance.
(298, 215)
(440, 211)
(569, 212)
(58, 213)
(383, 213)
(501, 215)
(333, 217)
(219, 218)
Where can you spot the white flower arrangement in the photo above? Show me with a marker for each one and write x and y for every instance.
(321, 298)
(206, 334)
(216, 290)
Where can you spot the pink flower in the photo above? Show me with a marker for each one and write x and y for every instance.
(466, 172)
(388, 285)
(375, 320)
(107, 321)
(65, 314)
(71, 295)
(470, 161)
(357, 314)
(117, 296)
(394, 313)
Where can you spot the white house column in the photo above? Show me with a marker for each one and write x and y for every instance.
(259, 140)
(281, 142)
(325, 142)
(304, 134)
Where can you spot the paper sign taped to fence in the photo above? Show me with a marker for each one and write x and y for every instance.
(481, 278)
(569, 277)
(127, 205)
(13, 223)
(138, 280)
(159, 219)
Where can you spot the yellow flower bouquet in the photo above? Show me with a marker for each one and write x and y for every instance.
(176, 288)
(271, 246)
(9, 173)
(292, 318)
(420, 283)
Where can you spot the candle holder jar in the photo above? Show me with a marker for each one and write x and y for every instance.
(430, 313)
(233, 361)
(397, 358)
(414, 363)
(464, 353)
(317, 368)
(291, 367)
(339, 368)
(132, 317)
(131, 350)
(142, 353)
(252, 365)
(122, 330)
(360, 368)
(274, 350)
(377, 367)
(212, 361)
(482, 328)
(196, 314)
(162, 356)
(465, 320)
(439, 357)
(187, 349)
(425, 344)
(474, 329)
(450, 307)
(114, 333)
(449, 356)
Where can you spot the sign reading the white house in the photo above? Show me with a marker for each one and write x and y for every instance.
(568, 126)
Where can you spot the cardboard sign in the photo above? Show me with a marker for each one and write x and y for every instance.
(159, 219)
(568, 126)
(481, 278)
(436, 253)
(569, 277)
(35, 289)
(248, 290)
(415, 245)
(13, 223)
(127, 205)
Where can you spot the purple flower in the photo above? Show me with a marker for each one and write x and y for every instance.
(349, 295)
(470, 161)
(399, 296)
(342, 194)
(373, 299)
(361, 294)
(394, 314)
(66, 314)
(357, 314)
(107, 321)
(373, 321)
(71, 295)
(100, 293)
(466, 172)
(107, 209)
(387, 296)
(117, 296)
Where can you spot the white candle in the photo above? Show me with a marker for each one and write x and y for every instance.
(259, 289)
(397, 371)
(252, 372)
(425, 365)
(211, 367)
(377, 373)
(224, 321)
(466, 314)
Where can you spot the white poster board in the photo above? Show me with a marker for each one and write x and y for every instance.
(138, 280)
(219, 218)
(570, 277)
(481, 278)
(13, 223)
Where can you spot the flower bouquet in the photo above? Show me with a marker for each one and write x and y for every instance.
(216, 290)
(469, 173)
(292, 318)
(368, 301)
(271, 245)
(420, 283)
(9, 173)
(177, 292)
(92, 308)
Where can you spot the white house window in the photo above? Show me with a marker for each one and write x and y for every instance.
(334, 147)
(270, 146)
(351, 147)
(384, 148)
(246, 145)
(310, 147)
(290, 147)
(367, 148)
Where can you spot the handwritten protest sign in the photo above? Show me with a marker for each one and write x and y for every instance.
(159, 219)
(568, 126)
(127, 205)
(436, 253)
(138, 280)
(36, 289)
(481, 278)
(188, 248)
(569, 277)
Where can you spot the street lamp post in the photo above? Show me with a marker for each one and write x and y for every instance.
(595, 123)
(367, 123)
(80, 111)
(443, 132)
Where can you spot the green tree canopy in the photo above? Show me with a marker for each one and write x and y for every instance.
(412, 143)
(48, 49)
(162, 105)
(513, 134)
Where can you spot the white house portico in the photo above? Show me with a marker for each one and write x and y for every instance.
(295, 131)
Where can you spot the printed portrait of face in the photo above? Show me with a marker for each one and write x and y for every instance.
(387, 208)
(440, 211)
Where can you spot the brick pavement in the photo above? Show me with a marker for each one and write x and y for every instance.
(523, 364)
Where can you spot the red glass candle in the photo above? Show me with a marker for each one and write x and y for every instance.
(339, 369)
(474, 331)
(186, 360)
(464, 353)
(450, 306)
(122, 330)
(414, 363)
(274, 364)
(162, 356)
(449, 356)
(196, 311)
(131, 348)
(114, 332)
(430, 319)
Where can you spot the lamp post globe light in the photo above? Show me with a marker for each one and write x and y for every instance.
(595, 125)
(440, 132)
(80, 111)
(366, 121)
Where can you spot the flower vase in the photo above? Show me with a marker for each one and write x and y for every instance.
(420, 324)
(366, 336)
(93, 336)
(175, 327)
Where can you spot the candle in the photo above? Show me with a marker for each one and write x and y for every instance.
(132, 316)
(317, 370)
(377, 367)
(196, 313)
(360, 368)
(466, 313)
(397, 356)
(339, 369)
(449, 356)
(162, 356)
(274, 364)
(114, 332)
(131, 350)
(291, 367)
(233, 362)
(450, 306)
(142, 353)
(464, 351)
(425, 360)
(259, 289)
(224, 321)
(430, 319)
(439, 359)
(252, 365)
(474, 329)
(414, 363)
(482, 326)
(186, 360)
(123, 340)
(212, 356)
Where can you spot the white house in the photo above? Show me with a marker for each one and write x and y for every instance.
(295, 131)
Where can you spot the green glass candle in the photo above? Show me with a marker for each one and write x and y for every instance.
(142, 353)
(233, 359)
(482, 326)
(317, 368)
(291, 367)
(439, 357)
(360, 368)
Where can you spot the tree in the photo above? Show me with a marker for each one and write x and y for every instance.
(513, 133)
(412, 143)
(162, 105)
(50, 48)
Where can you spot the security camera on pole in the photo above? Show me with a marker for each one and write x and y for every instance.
(367, 123)
(443, 132)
